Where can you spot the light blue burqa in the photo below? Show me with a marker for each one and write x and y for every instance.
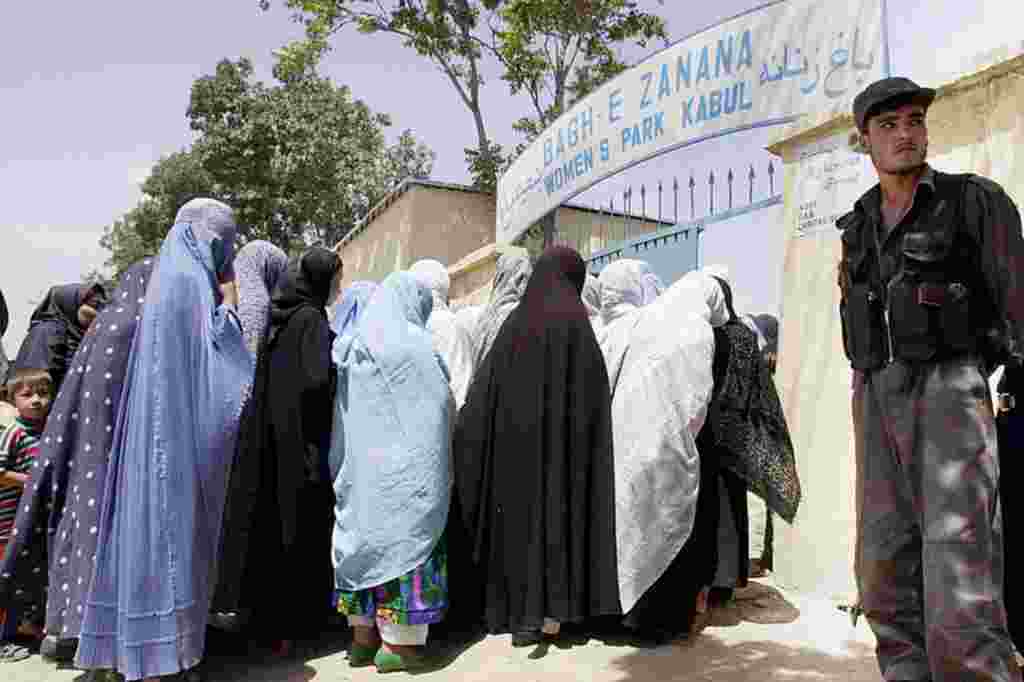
(347, 311)
(350, 307)
(393, 413)
(188, 369)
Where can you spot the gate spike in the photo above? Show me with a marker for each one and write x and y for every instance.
(675, 194)
(659, 200)
(693, 183)
(711, 190)
(729, 177)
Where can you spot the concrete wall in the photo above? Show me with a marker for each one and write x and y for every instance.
(449, 224)
(421, 221)
(456, 226)
(590, 231)
(976, 124)
(380, 247)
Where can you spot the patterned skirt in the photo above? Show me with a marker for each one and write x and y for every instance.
(419, 597)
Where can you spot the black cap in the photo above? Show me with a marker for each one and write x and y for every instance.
(884, 90)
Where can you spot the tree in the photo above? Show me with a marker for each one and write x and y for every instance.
(301, 163)
(447, 32)
(555, 51)
(558, 52)
(173, 181)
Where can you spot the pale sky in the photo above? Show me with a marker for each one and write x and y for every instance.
(93, 95)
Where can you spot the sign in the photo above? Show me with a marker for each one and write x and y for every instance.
(765, 67)
(829, 178)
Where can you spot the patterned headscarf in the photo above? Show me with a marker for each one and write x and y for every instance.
(258, 267)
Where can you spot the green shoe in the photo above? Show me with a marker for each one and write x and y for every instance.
(360, 656)
(390, 662)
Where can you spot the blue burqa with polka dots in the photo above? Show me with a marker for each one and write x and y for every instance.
(58, 514)
(188, 371)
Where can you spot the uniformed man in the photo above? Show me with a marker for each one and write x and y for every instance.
(931, 304)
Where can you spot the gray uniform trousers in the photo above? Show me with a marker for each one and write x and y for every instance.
(929, 550)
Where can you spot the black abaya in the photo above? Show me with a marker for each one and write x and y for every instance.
(669, 607)
(276, 548)
(533, 466)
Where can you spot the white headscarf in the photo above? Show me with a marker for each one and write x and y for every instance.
(434, 276)
(624, 286)
(510, 277)
(653, 286)
(591, 296)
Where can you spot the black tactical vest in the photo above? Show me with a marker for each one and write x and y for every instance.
(935, 306)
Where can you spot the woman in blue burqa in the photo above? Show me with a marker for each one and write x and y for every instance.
(390, 451)
(188, 371)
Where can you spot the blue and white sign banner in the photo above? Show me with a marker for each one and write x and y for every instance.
(766, 67)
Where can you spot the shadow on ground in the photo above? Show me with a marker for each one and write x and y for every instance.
(233, 656)
(710, 658)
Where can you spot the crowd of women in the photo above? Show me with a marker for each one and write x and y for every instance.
(235, 442)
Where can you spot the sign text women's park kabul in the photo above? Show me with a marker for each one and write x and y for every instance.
(766, 67)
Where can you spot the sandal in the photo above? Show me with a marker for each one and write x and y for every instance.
(12, 653)
(390, 662)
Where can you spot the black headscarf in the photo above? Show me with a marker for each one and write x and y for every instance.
(54, 332)
(4, 315)
(280, 509)
(534, 520)
(4, 320)
(307, 283)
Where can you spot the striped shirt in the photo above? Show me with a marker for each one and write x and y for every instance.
(19, 446)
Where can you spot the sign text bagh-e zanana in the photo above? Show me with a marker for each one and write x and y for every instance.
(570, 151)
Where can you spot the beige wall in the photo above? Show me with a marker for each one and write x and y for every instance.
(451, 225)
(421, 222)
(977, 125)
(377, 249)
(591, 231)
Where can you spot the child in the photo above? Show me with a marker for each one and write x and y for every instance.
(30, 390)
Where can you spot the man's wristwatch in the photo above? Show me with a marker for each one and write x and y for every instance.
(1005, 402)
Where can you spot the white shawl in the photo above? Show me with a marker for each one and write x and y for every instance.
(659, 359)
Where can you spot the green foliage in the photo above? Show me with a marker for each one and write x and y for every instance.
(301, 163)
(485, 168)
(450, 33)
(174, 180)
(557, 52)
(553, 51)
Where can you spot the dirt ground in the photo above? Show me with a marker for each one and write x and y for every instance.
(765, 635)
